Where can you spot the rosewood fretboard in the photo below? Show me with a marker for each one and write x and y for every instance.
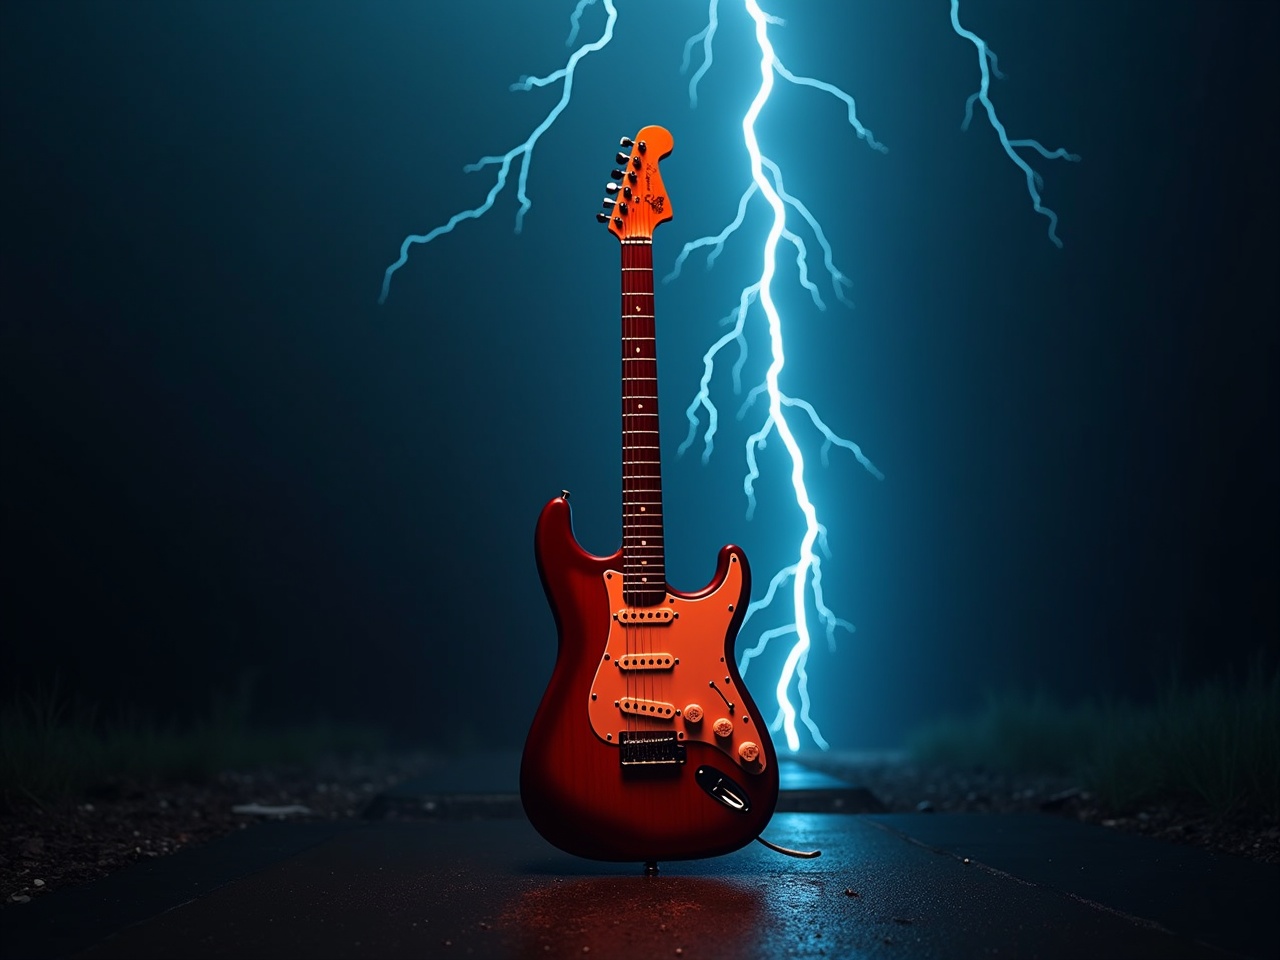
(643, 568)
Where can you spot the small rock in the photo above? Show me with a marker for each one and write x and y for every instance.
(924, 806)
(37, 883)
(1059, 799)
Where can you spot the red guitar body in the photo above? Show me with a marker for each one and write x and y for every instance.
(575, 790)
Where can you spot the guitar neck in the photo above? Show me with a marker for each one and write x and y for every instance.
(643, 566)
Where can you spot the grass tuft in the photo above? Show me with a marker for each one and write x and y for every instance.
(1218, 741)
(52, 750)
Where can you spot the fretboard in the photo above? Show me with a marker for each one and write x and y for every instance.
(643, 569)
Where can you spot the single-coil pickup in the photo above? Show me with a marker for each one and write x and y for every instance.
(648, 708)
(646, 661)
(648, 616)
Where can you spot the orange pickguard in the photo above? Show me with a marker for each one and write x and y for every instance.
(694, 637)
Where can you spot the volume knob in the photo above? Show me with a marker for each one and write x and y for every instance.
(748, 751)
(693, 713)
(723, 728)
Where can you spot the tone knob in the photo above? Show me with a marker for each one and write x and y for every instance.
(748, 752)
(723, 727)
(693, 713)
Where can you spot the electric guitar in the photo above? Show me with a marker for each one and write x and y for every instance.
(646, 745)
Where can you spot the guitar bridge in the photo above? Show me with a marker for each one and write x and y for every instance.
(650, 749)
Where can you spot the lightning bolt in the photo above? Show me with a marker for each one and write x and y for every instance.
(989, 66)
(524, 150)
(804, 576)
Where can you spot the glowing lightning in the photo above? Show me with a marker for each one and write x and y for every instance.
(524, 150)
(805, 574)
(988, 65)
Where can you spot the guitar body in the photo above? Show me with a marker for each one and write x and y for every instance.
(576, 791)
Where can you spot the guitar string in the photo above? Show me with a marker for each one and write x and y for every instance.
(628, 479)
(639, 482)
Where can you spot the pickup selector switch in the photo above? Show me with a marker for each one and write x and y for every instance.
(723, 728)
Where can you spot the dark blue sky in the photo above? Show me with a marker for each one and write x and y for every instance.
(220, 453)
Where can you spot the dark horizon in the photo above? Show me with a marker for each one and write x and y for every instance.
(223, 459)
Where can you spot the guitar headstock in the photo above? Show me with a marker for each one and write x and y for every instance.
(637, 198)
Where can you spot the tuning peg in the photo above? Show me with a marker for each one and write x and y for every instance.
(616, 174)
(623, 158)
(609, 203)
(628, 143)
(632, 176)
(602, 217)
(611, 188)
(643, 146)
(622, 208)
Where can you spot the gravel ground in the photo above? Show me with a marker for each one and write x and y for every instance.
(906, 787)
(50, 848)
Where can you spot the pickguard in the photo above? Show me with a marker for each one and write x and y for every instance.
(664, 671)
